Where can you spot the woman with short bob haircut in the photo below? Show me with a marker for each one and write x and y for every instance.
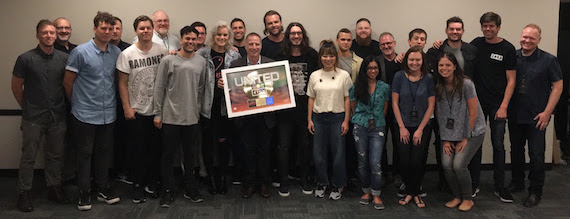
(328, 118)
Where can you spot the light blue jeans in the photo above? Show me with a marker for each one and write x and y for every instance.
(369, 145)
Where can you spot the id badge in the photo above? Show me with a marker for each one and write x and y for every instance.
(414, 115)
(450, 123)
(371, 123)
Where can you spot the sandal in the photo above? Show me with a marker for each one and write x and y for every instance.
(404, 201)
(419, 202)
(363, 200)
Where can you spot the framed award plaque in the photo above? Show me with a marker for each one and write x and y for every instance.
(258, 88)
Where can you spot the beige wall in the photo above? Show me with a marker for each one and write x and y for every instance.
(322, 19)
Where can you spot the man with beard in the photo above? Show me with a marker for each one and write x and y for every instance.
(161, 34)
(238, 27)
(271, 47)
(388, 68)
(363, 45)
(291, 123)
(63, 31)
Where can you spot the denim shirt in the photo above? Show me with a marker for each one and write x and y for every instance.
(375, 108)
(93, 98)
(230, 56)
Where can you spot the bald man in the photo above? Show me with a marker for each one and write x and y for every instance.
(161, 34)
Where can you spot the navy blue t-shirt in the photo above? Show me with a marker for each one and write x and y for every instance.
(539, 71)
(413, 93)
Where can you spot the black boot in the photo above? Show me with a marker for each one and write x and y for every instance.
(222, 186)
(25, 201)
(212, 186)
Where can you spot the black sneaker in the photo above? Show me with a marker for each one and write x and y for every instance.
(55, 194)
(512, 188)
(166, 199)
(504, 195)
(123, 178)
(84, 203)
(138, 194)
(283, 191)
(105, 194)
(193, 195)
(306, 188)
(25, 201)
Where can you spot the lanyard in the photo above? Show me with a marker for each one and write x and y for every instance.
(415, 92)
(449, 102)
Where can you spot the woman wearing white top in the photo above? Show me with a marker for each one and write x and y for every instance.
(328, 118)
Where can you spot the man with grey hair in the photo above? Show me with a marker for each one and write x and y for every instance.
(63, 32)
(161, 34)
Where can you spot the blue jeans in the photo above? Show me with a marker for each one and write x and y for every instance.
(369, 147)
(328, 137)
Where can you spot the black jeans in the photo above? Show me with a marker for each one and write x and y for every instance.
(519, 135)
(92, 141)
(257, 138)
(391, 125)
(498, 142)
(438, 149)
(213, 151)
(293, 137)
(144, 150)
(413, 160)
(172, 137)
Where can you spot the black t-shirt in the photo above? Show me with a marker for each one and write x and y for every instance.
(218, 60)
(373, 49)
(535, 75)
(490, 77)
(62, 48)
(270, 49)
(301, 69)
(242, 51)
(391, 68)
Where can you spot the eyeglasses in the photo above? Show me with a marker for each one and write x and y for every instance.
(162, 21)
(372, 68)
(296, 33)
(63, 28)
(386, 43)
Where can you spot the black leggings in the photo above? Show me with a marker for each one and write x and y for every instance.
(413, 160)
(214, 152)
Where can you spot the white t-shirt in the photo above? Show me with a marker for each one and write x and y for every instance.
(141, 68)
(329, 90)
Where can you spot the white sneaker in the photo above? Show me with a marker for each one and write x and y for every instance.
(320, 192)
(336, 193)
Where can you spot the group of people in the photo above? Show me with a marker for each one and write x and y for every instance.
(164, 97)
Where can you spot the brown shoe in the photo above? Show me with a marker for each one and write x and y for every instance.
(265, 191)
(55, 194)
(466, 205)
(25, 201)
(248, 192)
